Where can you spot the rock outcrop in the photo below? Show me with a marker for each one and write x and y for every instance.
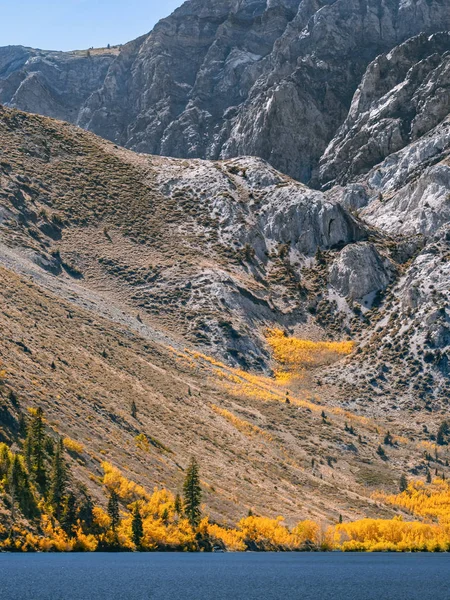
(54, 84)
(403, 95)
(360, 271)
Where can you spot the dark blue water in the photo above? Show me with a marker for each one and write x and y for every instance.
(225, 576)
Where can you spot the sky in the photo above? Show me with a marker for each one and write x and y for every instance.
(78, 24)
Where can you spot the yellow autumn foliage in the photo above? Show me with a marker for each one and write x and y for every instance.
(244, 426)
(127, 490)
(428, 501)
(73, 446)
(51, 539)
(267, 534)
(231, 539)
(375, 535)
(295, 354)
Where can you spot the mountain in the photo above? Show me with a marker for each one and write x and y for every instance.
(220, 79)
(182, 285)
(282, 332)
(56, 84)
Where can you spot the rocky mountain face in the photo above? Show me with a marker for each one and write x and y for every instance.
(403, 95)
(55, 84)
(129, 277)
(273, 79)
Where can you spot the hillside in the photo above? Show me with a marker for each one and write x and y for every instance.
(133, 277)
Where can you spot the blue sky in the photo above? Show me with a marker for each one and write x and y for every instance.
(78, 24)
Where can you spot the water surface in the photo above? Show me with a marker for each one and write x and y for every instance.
(249, 576)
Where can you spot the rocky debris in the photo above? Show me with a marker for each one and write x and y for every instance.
(408, 192)
(404, 356)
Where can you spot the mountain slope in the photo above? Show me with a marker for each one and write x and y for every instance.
(128, 277)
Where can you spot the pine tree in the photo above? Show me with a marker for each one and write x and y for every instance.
(20, 489)
(14, 480)
(381, 452)
(442, 433)
(69, 514)
(133, 409)
(85, 509)
(192, 493)
(136, 526)
(5, 461)
(403, 483)
(113, 509)
(178, 506)
(340, 518)
(58, 480)
(428, 476)
(34, 449)
(165, 516)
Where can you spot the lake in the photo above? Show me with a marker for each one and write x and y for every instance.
(249, 576)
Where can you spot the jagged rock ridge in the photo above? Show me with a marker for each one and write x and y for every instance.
(221, 79)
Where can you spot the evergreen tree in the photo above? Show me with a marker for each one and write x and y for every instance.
(165, 516)
(428, 476)
(20, 489)
(381, 452)
(403, 483)
(136, 526)
(14, 480)
(388, 439)
(113, 509)
(34, 449)
(133, 409)
(85, 509)
(178, 506)
(340, 518)
(5, 461)
(58, 480)
(69, 514)
(192, 493)
(22, 425)
(442, 433)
